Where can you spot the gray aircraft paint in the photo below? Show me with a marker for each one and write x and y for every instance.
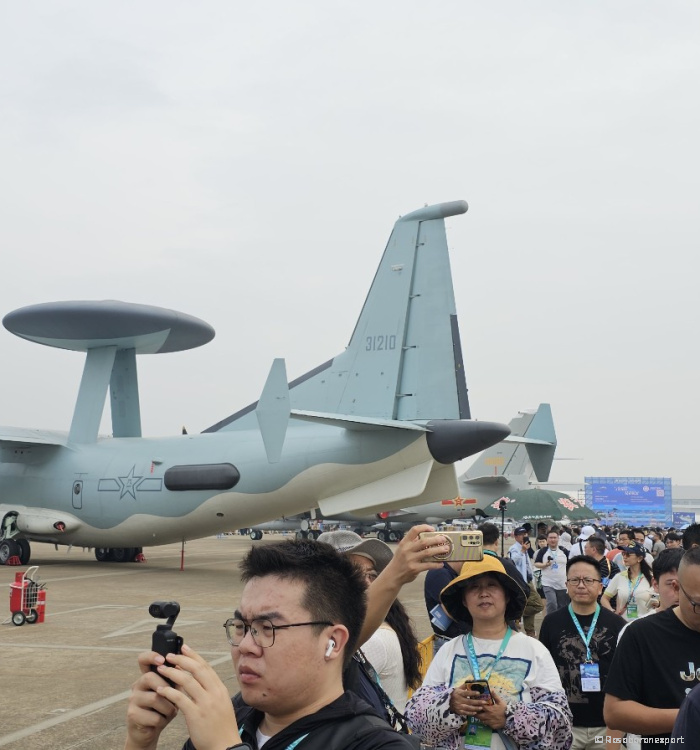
(503, 468)
(376, 427)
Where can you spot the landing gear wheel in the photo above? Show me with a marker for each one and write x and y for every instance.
(381, 535)
(102, 554)
(8, 548)
(393, 536)
(122, 554)
(301, 535)
(25, 551)
(256, 535)
(314, 533)
(32, 617)
(18, 618)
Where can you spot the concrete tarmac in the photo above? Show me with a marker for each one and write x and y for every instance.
(65, 683)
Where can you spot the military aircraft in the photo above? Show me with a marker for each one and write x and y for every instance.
(375, 427)
(503, 468)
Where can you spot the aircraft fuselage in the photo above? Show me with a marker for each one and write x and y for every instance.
(146, 491)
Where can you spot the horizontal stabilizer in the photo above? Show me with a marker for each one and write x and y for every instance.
(396, 488)
(489, 479)
(18, 436)
(354, 423)
(526, 441)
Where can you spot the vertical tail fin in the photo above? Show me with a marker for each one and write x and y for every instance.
(521, 458)
(404, 359)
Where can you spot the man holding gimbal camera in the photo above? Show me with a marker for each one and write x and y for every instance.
(302, 614)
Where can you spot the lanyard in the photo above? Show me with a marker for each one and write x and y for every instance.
(629, 586)
(586, 638)
(476, 673)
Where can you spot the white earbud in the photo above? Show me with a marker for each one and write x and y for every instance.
(329, 650)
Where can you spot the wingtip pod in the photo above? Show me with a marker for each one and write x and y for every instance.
(437, 211)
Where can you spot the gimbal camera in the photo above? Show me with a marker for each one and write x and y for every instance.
(165, 640)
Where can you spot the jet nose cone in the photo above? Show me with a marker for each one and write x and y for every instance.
(453, 440)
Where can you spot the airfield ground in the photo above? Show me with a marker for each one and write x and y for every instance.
(64, 683)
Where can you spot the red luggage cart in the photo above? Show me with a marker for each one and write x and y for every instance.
(27, 598)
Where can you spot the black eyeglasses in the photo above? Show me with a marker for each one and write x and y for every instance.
(262, 630)
(585, 581)
(693, 604)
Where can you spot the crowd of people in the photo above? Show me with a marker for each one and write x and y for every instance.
(327, 657)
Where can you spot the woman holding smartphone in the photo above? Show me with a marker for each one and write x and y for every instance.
(494, 687)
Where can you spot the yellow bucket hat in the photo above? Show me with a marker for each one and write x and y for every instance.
(451, 595)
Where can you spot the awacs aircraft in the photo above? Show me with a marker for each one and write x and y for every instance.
(375, 427)
(503, 468)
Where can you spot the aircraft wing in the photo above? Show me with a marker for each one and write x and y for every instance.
(526, 441)
(13, 437)
(354, 423)
(489, 479)
(419, 483)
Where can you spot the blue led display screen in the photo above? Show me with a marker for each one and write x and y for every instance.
(638, 501)
(681, 519)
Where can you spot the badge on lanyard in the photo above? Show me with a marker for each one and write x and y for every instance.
(478, 736)
(590, 671)
(590, 677)
(439, 617)
(631, 603)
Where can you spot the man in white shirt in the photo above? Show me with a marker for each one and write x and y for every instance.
(551, 560)
(579, 547)
(519, 554)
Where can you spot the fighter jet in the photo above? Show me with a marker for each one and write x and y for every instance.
(373, 428)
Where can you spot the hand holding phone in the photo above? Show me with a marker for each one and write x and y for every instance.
(482, 688)
(463, 545)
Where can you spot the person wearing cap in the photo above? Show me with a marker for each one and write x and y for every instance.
(578, 548)
(392, 650)
(520, 553)
(632, 586)
(529, 706)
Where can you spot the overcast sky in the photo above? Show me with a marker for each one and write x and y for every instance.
(245, 163)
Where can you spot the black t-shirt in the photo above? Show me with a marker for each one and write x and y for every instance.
(558, 633)
(687, 724)
(656, 662)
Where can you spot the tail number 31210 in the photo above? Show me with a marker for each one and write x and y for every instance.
(380, 343)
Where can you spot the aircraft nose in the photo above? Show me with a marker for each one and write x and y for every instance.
(453, 440)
